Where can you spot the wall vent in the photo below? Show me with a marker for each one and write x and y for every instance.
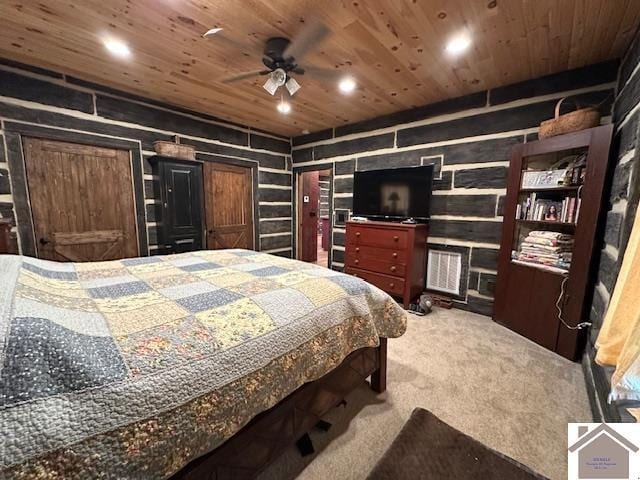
(443, 271)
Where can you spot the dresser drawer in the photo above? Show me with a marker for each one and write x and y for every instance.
(377, 237)
(393, 255)
(387, 283)
(375, 265)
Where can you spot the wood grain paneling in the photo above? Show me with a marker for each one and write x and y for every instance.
(395, 49)
(81, 201)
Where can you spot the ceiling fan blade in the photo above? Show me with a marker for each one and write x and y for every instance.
(243, 76)
(324, 73)
(211, 32)
(269, 62)
(311, 35)
(218, 35)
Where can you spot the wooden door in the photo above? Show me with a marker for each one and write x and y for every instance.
(181, 190)
(228, 195)
(82, 201)
(309, 197)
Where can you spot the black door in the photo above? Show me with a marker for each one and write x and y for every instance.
(181, 190)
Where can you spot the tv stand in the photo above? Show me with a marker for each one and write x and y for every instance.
(392, 256)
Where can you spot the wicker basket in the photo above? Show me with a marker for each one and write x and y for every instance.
(579, 119)
(176, 150)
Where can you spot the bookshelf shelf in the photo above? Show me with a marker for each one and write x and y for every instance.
(567, 188)
(544, 266)
(552, 223)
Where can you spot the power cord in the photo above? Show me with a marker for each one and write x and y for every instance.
(579, 326)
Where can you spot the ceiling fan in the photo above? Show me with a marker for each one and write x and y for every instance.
(282, 57)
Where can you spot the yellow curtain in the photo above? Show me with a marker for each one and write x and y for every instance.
(618, 343)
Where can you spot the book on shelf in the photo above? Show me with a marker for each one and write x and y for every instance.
(550, 210)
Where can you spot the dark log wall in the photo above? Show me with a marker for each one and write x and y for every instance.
(469, 140)
(623, 199)
(47, 103)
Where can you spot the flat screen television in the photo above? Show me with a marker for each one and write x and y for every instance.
(393, 194)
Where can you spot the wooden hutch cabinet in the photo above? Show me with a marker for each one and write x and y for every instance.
(537, 296)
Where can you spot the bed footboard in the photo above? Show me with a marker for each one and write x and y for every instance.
(263, 439)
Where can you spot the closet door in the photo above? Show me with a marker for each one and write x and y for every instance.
(181, 206)
(229, 206)
(81, 200)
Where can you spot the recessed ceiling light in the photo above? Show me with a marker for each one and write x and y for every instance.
(458, 44)
(284, 107)
(212, 31)
(347, 85)
(117, 47)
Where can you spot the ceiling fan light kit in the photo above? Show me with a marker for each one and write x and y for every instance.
(292, 86)
(276, 79)
(282, 57)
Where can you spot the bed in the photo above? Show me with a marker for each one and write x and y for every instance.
(151, 367)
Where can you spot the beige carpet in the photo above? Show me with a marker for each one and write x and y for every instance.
(479, 377)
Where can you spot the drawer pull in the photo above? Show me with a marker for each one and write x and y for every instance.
(357, 249)
(356, 261)
(391, 285)
(394, 255)
(395, 238)
(354, 274)
(357, 234)
(393, 268)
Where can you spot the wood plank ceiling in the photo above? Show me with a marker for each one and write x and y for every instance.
(394, 49)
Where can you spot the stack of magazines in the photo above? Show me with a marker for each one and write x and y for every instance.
(547, 248)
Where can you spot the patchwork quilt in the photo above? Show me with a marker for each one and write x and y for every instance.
(132, 368)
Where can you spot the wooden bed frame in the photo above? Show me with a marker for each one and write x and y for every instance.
(264, 438)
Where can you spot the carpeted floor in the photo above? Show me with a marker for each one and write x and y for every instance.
(477, 376)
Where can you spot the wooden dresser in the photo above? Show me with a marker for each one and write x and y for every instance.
(391, 256)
